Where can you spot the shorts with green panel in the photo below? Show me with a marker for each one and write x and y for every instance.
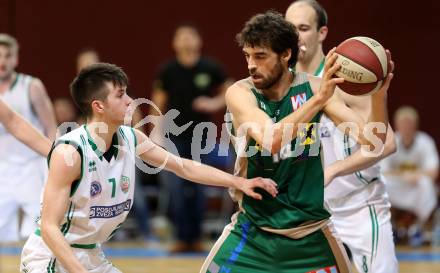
(244, 248)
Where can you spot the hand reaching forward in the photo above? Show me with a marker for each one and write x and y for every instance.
(248, 186)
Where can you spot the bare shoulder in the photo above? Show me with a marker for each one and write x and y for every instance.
(239, 90)
(36, 84)
(65, 162)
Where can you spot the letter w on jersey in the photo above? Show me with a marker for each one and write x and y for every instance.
(298, 100)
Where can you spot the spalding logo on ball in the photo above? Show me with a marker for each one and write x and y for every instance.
(364, 65)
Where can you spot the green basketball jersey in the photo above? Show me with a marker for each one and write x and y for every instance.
(297, 168)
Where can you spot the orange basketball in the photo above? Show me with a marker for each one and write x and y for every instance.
(364, 65)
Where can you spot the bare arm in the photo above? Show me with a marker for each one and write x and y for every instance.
(358, 161)
(62, 173)
(23, 130)
(43, 108)
(199, 173)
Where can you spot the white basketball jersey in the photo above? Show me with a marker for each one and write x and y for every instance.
(350, 191)
(101, 199)
(12, 151)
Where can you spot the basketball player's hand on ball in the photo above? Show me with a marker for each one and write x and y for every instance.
(329, 80)
(383, 91)
(248, 186)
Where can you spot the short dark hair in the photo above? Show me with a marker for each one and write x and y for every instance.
(89, 85)
(272, 30)
(321, 14)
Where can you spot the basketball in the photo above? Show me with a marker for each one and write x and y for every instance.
(364, 65)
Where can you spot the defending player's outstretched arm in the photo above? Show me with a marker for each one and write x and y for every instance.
(23, 130)
(358, 161)
(199, 173)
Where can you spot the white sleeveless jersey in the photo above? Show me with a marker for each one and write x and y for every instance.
(12, 151)
(101, 199)
(354, 190)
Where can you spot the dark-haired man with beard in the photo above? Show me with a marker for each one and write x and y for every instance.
(275, 115)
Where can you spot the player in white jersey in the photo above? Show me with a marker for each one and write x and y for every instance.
(356, 197)
(90, 187)
(23, 130)
(22, 170)
(412, 172)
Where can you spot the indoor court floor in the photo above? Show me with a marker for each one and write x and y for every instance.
(132, 258)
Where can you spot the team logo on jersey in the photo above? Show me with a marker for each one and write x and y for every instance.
(95, 189)
(92, 166)
(330, 269)
(307, 134)
(298, 100)
(124, 183)
(262, 105)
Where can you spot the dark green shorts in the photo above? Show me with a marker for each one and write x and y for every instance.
(244, 248)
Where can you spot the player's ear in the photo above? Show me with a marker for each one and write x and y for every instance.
(286, 55)
(322, 33)
(97, 106)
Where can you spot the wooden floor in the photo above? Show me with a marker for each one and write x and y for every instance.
(190, 264)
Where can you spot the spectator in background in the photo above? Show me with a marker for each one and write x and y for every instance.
(411, 172)
(22, 170)
(86, 57)
(65, 110)
(187, 83)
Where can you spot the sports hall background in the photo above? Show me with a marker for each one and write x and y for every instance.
(136, 35)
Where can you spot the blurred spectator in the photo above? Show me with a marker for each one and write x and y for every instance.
(187, 83)
(86, 57)
(411, 172)
(65, 110)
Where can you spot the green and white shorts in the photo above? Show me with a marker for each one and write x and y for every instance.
(36, 257)
(243, 248)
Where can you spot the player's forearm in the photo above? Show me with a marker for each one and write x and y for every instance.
(60, 248)
(379, 112)
(27, 134)
(207, 175)
(355, 162)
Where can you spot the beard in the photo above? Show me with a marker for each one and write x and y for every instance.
(271, 79)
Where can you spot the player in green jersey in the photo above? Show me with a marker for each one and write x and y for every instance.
(277, 112)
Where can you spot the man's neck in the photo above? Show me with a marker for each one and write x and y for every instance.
(279, 89)
(5, 83)
(312, 66)
(188, 59)
(101, 133)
